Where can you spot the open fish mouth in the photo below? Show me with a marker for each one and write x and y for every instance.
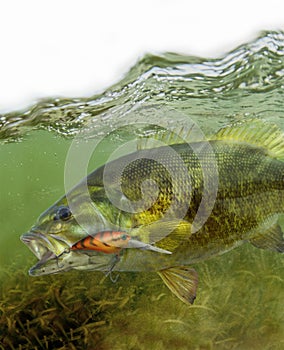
(54, 256)
(40, 246)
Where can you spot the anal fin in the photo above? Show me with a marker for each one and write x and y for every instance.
(182, 281)
(272, 239)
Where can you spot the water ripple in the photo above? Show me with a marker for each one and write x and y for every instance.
(247, 81)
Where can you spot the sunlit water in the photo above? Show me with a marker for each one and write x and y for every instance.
(240, 297)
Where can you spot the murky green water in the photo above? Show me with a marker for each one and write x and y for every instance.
(240, 298)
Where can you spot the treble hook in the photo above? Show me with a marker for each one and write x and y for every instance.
(109, 273)
(114, 280)
(57, 263)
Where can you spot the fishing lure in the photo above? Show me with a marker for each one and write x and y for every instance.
(111, 242)
(108, 242)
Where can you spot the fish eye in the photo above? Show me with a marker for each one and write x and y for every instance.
(124, 237)
(63, 213)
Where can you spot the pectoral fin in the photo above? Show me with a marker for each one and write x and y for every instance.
(166, 235)
(133, 243)
(271, 239)
(182, 281)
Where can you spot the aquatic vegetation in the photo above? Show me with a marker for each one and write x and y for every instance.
(88, 311)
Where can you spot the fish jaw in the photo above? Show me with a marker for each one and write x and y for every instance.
(55, 256)
(38, 243)
(43, 248)
(74, 260)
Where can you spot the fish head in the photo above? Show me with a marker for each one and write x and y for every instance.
(59, 228)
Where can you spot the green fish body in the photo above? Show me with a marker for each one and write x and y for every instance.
(189, 201)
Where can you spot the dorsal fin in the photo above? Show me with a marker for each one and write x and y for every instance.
(255, 132)
(171, 136)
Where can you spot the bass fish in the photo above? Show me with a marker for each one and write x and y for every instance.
(240, 173)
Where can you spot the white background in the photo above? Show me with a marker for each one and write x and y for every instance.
(77, 48)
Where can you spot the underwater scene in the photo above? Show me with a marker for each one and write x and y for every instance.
(239, 302)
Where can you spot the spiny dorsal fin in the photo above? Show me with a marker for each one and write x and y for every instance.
(181, 134)
(255, 132)
(182, 281)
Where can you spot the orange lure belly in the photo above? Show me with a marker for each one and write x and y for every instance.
(108, 242)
